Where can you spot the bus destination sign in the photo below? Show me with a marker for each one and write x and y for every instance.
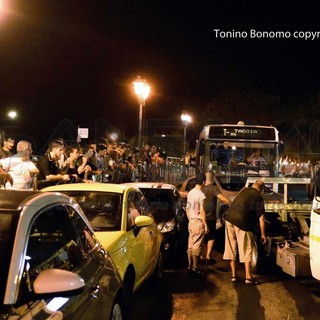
(236, 132)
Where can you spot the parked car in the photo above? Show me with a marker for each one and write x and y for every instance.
(167, 208)
(51, 264)
(123, 223)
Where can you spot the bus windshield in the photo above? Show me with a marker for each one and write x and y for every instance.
(239, 150)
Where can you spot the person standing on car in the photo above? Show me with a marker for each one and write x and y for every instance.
(246, 213)
(212, 194)
(197, 223)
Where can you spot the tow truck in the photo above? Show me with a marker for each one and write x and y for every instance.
(289, 244)
(315, 225)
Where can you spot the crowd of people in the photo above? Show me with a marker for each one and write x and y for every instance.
(103, 162)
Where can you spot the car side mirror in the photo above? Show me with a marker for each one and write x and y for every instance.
(143, 221)
(56, 281)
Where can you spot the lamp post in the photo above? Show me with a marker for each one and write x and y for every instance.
(142, 90)
(186, 119)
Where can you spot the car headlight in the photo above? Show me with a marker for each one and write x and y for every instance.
(167, 226)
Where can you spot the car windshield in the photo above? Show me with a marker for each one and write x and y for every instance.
(7, 234)
(160, 202)
(103, 209)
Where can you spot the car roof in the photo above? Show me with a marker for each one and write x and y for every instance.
(150, 185)
(94, 186)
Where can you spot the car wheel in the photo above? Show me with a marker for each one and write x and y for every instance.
(128, 284)
(255, 257)
(116, 313)
(259, 262)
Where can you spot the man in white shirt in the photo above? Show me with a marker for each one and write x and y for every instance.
(20, 167)
(197, 223)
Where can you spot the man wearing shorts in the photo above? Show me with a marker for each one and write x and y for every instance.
(245, 214)
(197, 223)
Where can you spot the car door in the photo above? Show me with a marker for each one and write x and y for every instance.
(152, 232)
(142, 240)
(60, 239)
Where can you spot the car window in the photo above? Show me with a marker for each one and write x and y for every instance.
(103, 209)
(137, 205)
(143, 205)
(159, 200)
(54, 241)
(134, 208)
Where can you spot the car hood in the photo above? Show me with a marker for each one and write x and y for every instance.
(110, 240)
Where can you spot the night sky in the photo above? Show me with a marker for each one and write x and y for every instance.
(77, 59)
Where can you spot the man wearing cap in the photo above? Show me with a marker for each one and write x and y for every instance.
(246, 213)
(197, 223)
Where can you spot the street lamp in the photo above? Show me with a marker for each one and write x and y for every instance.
(114, 136)
(186, 119)
(142, 90)
(12, 114)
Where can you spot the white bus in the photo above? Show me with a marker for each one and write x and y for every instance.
(226, 149)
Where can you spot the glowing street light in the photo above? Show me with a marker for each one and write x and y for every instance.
(114, 136)
(142, 90)
(186, 120)
(12, 114)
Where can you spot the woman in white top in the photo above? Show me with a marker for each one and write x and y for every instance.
(20, 167)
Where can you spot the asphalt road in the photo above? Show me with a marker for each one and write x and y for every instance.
(179, 296)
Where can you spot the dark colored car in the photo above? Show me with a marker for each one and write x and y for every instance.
(167, 207)
(51, 264)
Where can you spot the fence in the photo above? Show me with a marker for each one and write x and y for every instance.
(172, 171)
(176, 171)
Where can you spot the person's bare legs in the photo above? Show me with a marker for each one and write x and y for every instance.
(195, 260)
(209, 249)
(190, 260)
(233, 268)
(247, 266)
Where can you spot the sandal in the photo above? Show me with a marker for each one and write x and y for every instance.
(234, 279)
(252, 282)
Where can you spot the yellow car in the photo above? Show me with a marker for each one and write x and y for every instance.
(124, 225)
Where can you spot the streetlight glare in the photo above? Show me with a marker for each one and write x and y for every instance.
(12, 114)
(114, 136)
(141, 89)
(186, 118)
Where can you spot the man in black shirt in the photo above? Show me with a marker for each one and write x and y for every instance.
(48, 164)
(7, 149)
(212, 194)
(244, 216)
